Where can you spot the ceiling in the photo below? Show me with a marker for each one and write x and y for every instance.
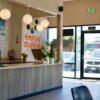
(44, 5)
(41, 6)
(67, 0)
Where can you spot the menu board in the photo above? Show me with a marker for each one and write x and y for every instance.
(3, 40)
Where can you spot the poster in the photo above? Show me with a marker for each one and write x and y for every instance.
(32, 41)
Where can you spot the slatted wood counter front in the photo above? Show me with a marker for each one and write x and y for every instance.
(22, 79)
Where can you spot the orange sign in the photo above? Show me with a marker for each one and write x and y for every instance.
(32, 41)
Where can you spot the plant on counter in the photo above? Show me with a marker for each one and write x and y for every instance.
(45, 50)
(51, 54)
(24, 55)
(11, 54)
(48, 52)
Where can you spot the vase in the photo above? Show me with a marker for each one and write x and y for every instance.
(45, 61)
(11, 58)
(51, 60)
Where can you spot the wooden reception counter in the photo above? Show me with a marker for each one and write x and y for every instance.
(26, 79)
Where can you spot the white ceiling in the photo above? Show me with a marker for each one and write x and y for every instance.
(67, 0)
(43, 6)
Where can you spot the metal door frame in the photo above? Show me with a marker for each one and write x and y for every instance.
(82, 53)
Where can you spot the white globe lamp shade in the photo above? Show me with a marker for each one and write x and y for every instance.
(44, 23)
(0, 13)
(5, 14)
(27, 19)
(39, 28)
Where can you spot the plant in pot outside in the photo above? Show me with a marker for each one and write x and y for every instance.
(24, 56)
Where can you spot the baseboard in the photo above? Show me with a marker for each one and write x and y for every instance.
(35, 93)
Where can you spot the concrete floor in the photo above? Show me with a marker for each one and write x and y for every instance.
(65, 92)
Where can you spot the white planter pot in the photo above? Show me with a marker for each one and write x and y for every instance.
(46, 61)
(51, 60)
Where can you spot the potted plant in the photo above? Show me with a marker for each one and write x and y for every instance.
(45, 50)
(11, 54)
(51, 55)
(24, 56)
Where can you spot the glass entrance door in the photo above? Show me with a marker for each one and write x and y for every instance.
(90, 54)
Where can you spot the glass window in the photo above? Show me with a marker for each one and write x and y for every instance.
(69, 51)
(52, 34)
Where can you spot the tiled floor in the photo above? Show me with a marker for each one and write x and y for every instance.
(65, 92)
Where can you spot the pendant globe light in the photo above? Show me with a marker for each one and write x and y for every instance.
(5, 13)
(0, 14)
(39, 28)
(27, 18)
(44, 23)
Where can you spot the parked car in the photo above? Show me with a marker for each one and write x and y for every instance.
(96, 53)
(92, 64)
(68, 57)
(69, 61)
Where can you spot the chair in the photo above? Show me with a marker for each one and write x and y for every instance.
(81, 93)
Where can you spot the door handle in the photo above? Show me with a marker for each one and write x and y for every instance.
(82, 57)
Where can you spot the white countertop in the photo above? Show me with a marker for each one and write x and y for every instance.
(24, 65)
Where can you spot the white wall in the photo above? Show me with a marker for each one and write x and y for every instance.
(42, 34)
(14, 24)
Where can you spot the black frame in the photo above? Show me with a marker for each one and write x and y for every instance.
(81, 63)
(82, 52)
